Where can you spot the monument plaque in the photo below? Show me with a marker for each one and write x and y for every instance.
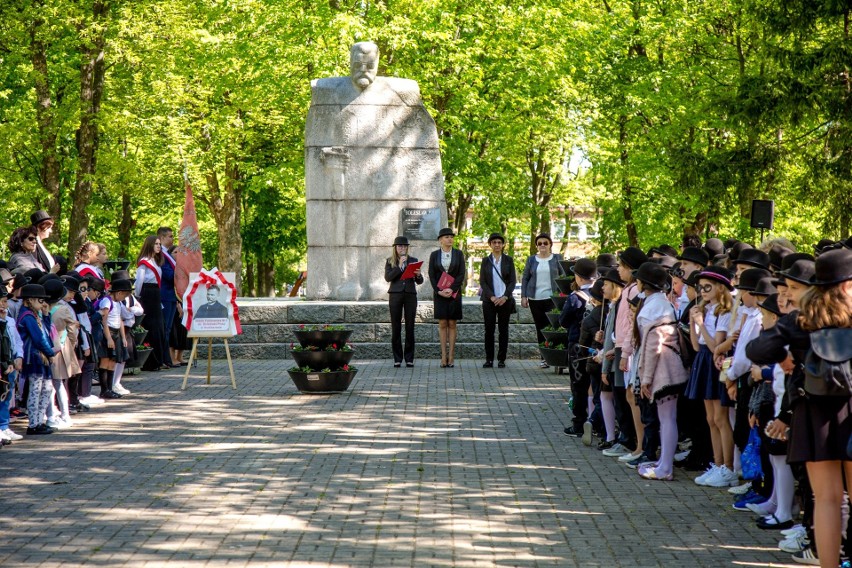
(421, 224)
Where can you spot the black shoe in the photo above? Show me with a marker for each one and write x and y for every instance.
(108, 395)
(501, 364)
(40, 430)
(397, 365)
(634, 463)
(575, 432)
(606, 445)
(487, 364)
(409, 364)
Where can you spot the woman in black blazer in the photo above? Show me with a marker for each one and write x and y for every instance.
(447, 300)
(402, 298)
(497, 279)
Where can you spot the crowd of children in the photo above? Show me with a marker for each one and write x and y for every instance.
(61, 330)
(695, 358)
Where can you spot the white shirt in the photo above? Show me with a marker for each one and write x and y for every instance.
(750, 329)
(14, 337)
(712, 323)
(145, 275)
(497, 277)
(778, 387)
(446, 259)
(543, 289)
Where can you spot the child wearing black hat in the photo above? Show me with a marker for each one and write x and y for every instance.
(114, 341)
(38, 352)
(591, 334)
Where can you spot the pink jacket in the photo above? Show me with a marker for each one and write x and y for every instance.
(624, 321)
(659, 363)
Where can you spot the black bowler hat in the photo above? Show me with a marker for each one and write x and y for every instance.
(692, 279)
(34, 274)
(5, 275)
(586, 268)
(122, 275)
(40, 216)
(606, 260)
(664, 250)
(653, 275)
(46, 278)
(777, 254)
(832, 267)
(496, 237)
(749, 278)
(612, 275)
(596, 291)
(714, 247)
(729, 243)
(70, 282)
(764, 287)
(824, 244)
(770, 304)
(20, 281)
(696, 255)
(802, 271)
(33, 291)
(792, 258)
(666, 262)
(717, 274)
(446, 231)
(848, 243)
(720, 260)
(55, 290)
(753, 257)
(400, 241)
(737, 249)
(632, 257)
(121, 286)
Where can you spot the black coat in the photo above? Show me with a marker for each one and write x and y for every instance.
(393, 273)
(486, 277)
(457, 270)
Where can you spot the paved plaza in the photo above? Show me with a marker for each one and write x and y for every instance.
(411, 467)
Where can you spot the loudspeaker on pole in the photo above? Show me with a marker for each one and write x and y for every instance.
(762, 214)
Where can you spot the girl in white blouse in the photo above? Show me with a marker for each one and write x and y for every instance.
(148, 274)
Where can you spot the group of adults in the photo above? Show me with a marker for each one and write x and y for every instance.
(739, 337)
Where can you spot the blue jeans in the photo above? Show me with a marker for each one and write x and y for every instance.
(4, 404)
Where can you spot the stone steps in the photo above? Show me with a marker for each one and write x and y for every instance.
(268, 326)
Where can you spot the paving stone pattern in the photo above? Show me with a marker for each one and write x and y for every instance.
(411, 467)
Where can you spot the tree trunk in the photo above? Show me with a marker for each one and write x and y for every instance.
(224, 203)
(126, 224)
(266, 277)
(626, 187)
(249, 286)
(49, 170)
(91, 91)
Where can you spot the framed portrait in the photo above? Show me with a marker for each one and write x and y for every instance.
(210, 305)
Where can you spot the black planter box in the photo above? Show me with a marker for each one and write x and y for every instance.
(322, 359)
(553, 319)
(559, 301)
(139, 337)
(554, 357)
(323, 339)
(556, 337)
(320, 383)
(141, 357)
(564, 285)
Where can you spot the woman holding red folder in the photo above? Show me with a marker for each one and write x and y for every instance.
(402, 298)
(447, 274)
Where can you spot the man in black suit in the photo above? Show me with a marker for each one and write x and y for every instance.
(497, 280)
(212, 309)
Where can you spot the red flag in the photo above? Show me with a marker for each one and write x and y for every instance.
(188, 253)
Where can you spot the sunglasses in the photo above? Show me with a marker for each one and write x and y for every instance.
(33, 239)
(542, 244)
(704, 287)
(84, 289)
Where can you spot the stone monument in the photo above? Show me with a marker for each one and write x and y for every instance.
(372, 172)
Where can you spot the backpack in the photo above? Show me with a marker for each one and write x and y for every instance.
(828, 363)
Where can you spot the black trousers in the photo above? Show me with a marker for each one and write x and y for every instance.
(580, 383)
(651, 440)
(401, 303)
(153, 322)
(500, 317)
(539, 309)
(623, 415)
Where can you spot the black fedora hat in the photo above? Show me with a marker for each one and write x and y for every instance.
(824, 244)
(737, 250)
(753, 257)
(612, 275)
(446, 231)
(585, 268)
(596, 291)
(33, 291)
(40, 216)
(400, 241)
(770, 304)
(749, 278)
(792, 258)
(665, 250)
(667, 262)
(777, 254)
(832, 267)
(714, 247)
(122, 285)
(802, 271)
(632, 257)
(496, 237)
(764, 287)
(606, 260)
(55, 290)
(696, 255)
(653, 275)
(717, 274)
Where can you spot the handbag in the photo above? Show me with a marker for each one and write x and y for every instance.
(750, 458)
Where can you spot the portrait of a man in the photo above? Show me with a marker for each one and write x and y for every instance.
(213, 308)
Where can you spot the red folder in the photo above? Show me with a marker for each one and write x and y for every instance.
(446, 281)
(410, 269)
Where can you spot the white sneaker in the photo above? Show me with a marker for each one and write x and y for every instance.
(616, 451)
(794, 544)
(11, 435)
(740, 489)
(92, 400)
(794, 531)
(5, 437)
(629, 457)
(724, 478)
(58, 424)
(711, 471)
(120, 390)
(680, 456)
(762, 509)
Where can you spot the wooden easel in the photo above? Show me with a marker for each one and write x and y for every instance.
(193, 354)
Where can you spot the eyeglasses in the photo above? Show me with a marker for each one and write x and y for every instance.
(33, 239)
(542, 244)
(41, 300)
(83, 289)
(704, 288)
